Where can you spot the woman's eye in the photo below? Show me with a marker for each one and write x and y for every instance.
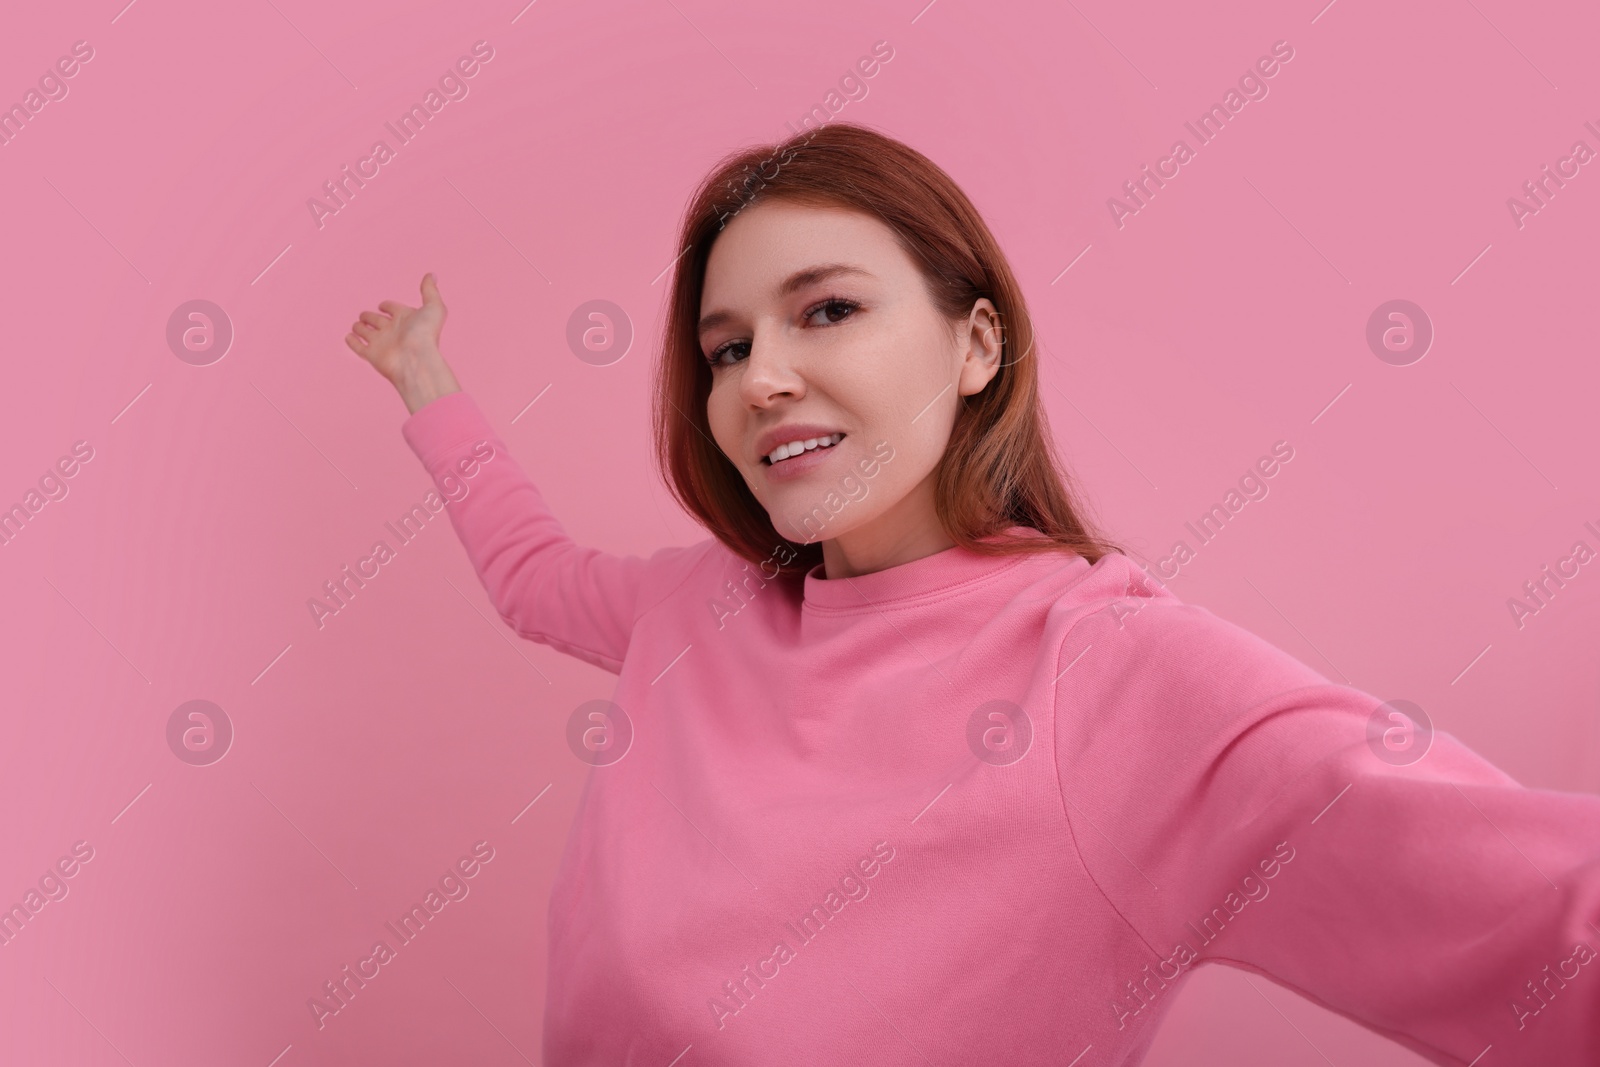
(715, 358)
(835, 304)
(835, 310)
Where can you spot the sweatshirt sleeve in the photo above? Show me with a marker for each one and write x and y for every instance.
(1235, 806)
(577, 600)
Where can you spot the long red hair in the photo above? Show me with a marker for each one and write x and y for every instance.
(1000, 468)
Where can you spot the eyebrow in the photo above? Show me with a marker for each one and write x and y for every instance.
(794, 282)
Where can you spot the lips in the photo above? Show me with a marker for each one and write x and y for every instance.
(821, 446)
(794, 431)
(798, 466)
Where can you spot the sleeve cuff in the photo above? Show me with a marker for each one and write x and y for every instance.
(443, 425)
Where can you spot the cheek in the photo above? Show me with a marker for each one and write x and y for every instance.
(904, 426)
(913, 457)
(900, 454)
(720, 412)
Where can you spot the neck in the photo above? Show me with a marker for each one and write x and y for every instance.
(908, 531)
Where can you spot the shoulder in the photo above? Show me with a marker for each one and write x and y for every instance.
(667, 571)
(1158, 697)
(1139, 652)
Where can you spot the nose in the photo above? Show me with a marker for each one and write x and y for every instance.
(770, 372)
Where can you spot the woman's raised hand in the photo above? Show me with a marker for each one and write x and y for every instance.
(402, 344)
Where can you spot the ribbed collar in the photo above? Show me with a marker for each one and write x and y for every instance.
(907, 583)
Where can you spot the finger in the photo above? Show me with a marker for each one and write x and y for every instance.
(430, 289)
(363, 331)
(394, 307)
(357, 345)
(372, 318)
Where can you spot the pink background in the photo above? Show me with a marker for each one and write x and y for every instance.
(372, 753)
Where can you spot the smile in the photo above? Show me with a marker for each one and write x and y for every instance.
(795, 448)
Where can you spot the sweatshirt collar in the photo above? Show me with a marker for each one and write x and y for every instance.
(922, 579)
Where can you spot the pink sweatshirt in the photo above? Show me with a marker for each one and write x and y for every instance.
(996, 810)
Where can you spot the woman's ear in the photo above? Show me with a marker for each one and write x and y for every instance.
(984, 339)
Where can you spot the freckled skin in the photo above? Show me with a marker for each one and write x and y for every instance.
(868, 372)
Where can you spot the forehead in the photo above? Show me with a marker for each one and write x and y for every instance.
(765, 244)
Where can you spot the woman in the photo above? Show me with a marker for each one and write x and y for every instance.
(921, 769)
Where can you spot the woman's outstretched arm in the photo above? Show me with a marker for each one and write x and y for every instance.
(577, 600)
(1235, 806)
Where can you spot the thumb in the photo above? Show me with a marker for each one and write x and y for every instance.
(430, 290)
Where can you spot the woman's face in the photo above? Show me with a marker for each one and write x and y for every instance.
(817, 322)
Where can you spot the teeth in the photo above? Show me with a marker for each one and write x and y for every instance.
(794, 448)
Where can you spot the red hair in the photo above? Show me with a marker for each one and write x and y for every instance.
(1000, 467)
